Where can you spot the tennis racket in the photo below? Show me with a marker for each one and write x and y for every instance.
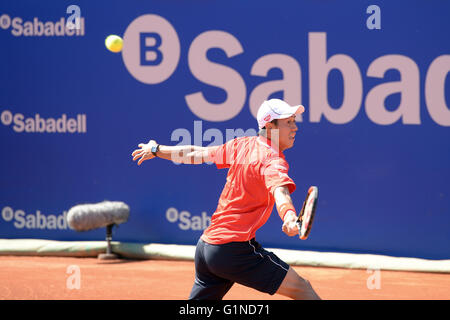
(306, 217)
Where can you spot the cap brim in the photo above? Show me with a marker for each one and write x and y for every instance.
(298, 110)
(295, 110)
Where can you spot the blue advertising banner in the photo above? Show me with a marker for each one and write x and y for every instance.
(373, 77)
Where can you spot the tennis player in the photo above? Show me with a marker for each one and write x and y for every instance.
(227, 251)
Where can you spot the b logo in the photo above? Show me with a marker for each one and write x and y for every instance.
(151, 49)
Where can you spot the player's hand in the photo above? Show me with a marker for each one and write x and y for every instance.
(145, 152)
(290, 226)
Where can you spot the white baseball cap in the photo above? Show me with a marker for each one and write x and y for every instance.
(276, 109)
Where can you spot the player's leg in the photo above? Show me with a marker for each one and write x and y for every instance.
(264, 271)
(295, 287)
(202, 290)
(247, 263)
(207, 286)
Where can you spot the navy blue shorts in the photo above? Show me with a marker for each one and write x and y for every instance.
(218, 267)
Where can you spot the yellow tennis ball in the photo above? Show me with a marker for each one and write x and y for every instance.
(114, 43)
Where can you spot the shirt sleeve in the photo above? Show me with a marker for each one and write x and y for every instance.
(275, 172)
(223, 155)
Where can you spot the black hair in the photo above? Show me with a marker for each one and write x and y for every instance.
(262, 132)
(274, 121)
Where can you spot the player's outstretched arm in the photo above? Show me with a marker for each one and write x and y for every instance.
(180, 154)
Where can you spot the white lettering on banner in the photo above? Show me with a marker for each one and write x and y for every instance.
(186, 221)
(37, 124)
(319, 69)
(151, 49)
(34, 221)
(408, 87)
(216, 75)
(290, 85)
(435, 90)
(37, 28)
(155, 61)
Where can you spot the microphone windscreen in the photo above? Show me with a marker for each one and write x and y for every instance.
(84, 217)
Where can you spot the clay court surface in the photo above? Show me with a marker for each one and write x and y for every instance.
(48, 278)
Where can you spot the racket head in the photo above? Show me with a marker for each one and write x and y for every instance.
(307, 213)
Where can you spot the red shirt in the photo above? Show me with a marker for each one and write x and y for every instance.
(255, 170)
